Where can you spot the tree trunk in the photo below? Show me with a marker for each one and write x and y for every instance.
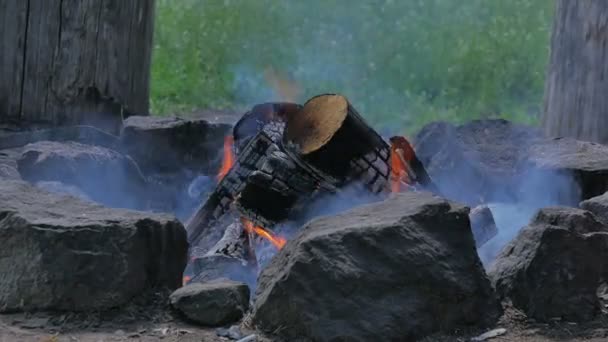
(74, 61)
(576, 88)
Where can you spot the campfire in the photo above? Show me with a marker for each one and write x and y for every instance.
(283, 156)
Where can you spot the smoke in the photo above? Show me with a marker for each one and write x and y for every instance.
(537, 189)
(327, 204)
(513, 207)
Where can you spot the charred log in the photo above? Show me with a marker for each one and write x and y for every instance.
(329, 135)
(267, 117)
(416, 171)
(288, 154)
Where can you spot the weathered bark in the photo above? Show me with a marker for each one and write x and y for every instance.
(74, 61)
(576, 101)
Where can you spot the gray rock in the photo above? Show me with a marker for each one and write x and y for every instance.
(554, 266)
(574, 219)
(399, 269)
(233, 333)
(498, 161)
(8, 164)
(212, 304)
(168, 144)
(62, 253)
(597, 205)
(60, 188)
(84, 134)
(475, 162)
(482, 224)
(210, 267)
(584, 162)
(105, 175)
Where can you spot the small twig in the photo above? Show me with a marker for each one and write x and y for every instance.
(249, 338)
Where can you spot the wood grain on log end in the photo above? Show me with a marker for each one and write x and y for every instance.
(317, 122)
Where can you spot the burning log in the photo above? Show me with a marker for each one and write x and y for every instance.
(404, 160)
(267, 117)
(235, 243)
(330, 137)
(287, 154)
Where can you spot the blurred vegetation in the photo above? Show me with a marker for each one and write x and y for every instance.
(402, 63)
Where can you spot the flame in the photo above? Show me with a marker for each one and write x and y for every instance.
(401, 154)
(228, 160)
(186, 279)
(277, 241)
(286, 89)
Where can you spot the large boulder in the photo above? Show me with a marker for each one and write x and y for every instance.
(170, 144)
(83, 134)
(62, 253)
(215, 303)
(399, 269)
(584, 162)
(597, 205)
(105, 175)
(60, 188)
(475, 162)
(554, 266)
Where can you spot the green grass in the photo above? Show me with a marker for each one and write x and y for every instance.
(402, 63)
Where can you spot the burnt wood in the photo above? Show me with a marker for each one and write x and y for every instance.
(288, 156)
(345, 149)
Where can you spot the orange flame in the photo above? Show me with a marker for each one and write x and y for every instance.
(228, 160)
(186, 279)
(401, 154)
(287, 89)
(277, 241)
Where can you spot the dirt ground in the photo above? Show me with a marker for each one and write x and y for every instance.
(519, 328)
(46, 328)
(148, 319)
(160, 324)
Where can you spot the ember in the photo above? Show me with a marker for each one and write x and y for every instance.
(278, 242)
(401, 155)
(228, 160)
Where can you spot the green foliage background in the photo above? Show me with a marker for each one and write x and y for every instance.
(402, 63)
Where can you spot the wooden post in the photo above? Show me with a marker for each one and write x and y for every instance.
(74, 61)
(576, 88)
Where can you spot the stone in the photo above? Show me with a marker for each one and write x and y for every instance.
(574, 219)
(233, 333)
(482, 224)
(554, 266)
(584, 162)
(210, 267)
(597, 205)
(105, 175)
(62, 253)
(482, 155)
(212, 304)
(60, 188)
(8, 164)
(168, 144)
(499, 161)
(83, 134)
(401, 269)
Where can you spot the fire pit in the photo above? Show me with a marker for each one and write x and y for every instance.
(282, 157)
